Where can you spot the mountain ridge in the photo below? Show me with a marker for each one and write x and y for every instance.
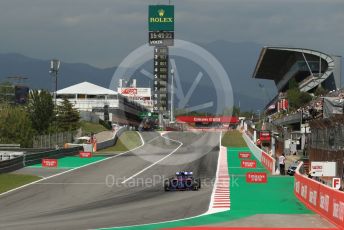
(238, 59)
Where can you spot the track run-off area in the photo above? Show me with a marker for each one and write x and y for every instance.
(81, 198)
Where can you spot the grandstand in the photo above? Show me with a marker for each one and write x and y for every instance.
(315, 128)
(309, 68)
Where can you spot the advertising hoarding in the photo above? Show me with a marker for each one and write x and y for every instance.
(323, 168)
(248, 164)
(49, 163)
(244, 155)
(268, 162)
(207, 119)
(256, 177)
(324, 200)
(161, 18)
(265, 136)
(85, 154)
(137, 92)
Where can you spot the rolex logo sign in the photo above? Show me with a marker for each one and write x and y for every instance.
(161, 12)
(161, 18)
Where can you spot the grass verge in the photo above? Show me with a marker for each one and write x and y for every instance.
(10, 181)
(89, 127)
(233, 139)
(127, 141)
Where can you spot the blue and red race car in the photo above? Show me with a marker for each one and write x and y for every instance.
(182, 181)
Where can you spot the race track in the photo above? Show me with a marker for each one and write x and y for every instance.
(88, 198)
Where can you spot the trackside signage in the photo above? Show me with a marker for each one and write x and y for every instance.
(322, 199)
(49, 163)
(248, 164)
(256, 177)
(244, 155)
(85, 154)
(268, 162)
(161, 18)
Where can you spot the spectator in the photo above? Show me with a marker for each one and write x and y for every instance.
(281, 161)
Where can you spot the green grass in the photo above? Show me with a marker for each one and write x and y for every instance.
(233, 139)
(127, 141)
(10, 181)
(89, 127)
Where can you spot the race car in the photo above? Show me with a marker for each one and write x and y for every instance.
(182, 181)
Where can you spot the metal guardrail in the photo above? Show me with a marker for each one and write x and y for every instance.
(35, 158)
(10, 146)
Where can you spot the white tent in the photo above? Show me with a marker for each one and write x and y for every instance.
(86, 88)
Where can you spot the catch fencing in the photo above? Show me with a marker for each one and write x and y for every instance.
(52, 140)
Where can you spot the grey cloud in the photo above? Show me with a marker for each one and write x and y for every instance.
(103, 32)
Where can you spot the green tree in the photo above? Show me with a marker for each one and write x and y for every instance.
(293, 84)
(247, 114)
(6, 92)
(67, 116)
(41, 110)
(320, 91)
(297, 98)
(15, 126)
(236, 111)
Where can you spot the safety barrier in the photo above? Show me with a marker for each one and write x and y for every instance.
(112, 141)
(320, 198)
(11, 165)
(35, 158)
(267, 161)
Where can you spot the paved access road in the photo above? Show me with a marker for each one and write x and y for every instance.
(81, 199)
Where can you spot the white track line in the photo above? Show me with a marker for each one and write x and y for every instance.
(55, 175)
(148, 167)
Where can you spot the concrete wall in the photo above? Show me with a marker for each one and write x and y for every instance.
(112, 141)
(257, 152)
(267, 161)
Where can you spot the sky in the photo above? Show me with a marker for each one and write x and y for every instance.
(103, 32)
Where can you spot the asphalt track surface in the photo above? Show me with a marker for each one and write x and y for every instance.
(82, 199)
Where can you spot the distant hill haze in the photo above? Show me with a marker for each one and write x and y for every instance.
(238, 59)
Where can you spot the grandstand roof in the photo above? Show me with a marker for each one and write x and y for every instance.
(86, 88)
(282, 63)
(273, 60)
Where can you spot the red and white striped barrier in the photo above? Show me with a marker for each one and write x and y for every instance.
(324, 200)
(220, 198)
